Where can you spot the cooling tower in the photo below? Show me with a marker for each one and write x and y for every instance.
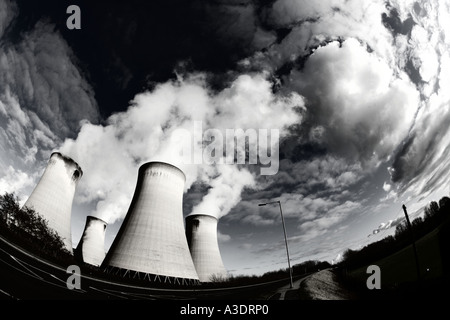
(201, 234)
(53, 196)
(91, 248)
(152, 238)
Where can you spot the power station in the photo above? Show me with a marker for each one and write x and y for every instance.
(201, 234)
(91, 248)
(53, 195)
(151, 242)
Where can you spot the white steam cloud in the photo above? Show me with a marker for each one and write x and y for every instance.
(148, 131)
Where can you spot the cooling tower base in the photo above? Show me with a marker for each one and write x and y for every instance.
(157, 278)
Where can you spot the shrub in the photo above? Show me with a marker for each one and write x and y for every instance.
(27, 228)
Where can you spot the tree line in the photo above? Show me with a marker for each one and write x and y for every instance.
(28, 229)
(435, 214)
(300, 269)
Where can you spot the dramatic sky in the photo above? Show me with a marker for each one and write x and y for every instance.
(358, 91)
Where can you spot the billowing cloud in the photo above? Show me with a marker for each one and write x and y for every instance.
(352, 63)
(363, 109)
(421, 163)
(373, 77)
(311, 23)
(150, 130)
(40, 72)
(14, 180)
(43, 98)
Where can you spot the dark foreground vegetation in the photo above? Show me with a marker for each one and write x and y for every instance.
(27, 229)
(435, 215)
(402, 275)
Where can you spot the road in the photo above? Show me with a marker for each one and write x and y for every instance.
(26, 277)
(288, 293)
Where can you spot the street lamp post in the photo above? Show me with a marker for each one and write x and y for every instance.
(285, 238)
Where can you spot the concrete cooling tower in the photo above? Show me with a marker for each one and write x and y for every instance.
(201, 234)
(152, 238)
(91, 248)
(53, 196)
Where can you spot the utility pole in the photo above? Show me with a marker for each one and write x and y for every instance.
(413, 244)
(285, 239)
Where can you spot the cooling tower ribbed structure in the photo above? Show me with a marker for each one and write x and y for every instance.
(201, 233)
(53, 195)
(152, 238)
(91, 248)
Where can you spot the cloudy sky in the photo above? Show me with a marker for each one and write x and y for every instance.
(358, 91)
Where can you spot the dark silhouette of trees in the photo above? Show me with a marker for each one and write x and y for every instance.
(26, 228)
(435, 214)
(444, 204)
(400, 230)
(431, 210)
(416, 222)
(298, 270)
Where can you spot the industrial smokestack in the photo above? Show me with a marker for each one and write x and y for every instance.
(91, 248)
(201, 233)
(152, 238)
(53, 196)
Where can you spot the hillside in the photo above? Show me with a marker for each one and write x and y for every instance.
(399, 276)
